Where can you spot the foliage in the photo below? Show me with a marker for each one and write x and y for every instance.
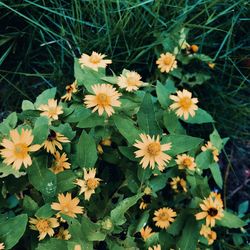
(113, 216)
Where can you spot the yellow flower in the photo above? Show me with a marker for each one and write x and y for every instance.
(184, 103)
(185, 162)
(208, 234)
(178, 184)
(166, 62)
(152, 152)
(70, 89)
(63, 234)
(130, 80)
(105, 97)
(44, 226)
(146, 198)
(163, 217)
(60, 163)
(67, 205)
(94, 61)
(99, 149)
(210, 146)
(2, 246)
(106, 142)
(16, 151)
(51, 110)
(212, 209)
(157, 247)
(211, 65)
(89, 184)
(146, 233)
(53, 142)
(78, 247)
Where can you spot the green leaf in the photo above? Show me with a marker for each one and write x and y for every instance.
(117, 214)
(146, 117)
(27, 105)
(87, 77)
(79, 113)
(128, 152)
(45, 211)
(52, 244)
(8, 123)
(201, 116)
(12, 230)
(41, 177)
(65, 181)
(243, 207)
(66, 130)
(91, 230)
(216, 173)
(86, 152)
(29, 205)
(91, 121)
(142, 221)
(41, 130)
(204, 159)
(190, 235)
(45, 96)
(181, 143)
(127, 128)
(163, 95)
(230, 220)
(216, 140)
(8, 170)
(176, 227)
(172, 124)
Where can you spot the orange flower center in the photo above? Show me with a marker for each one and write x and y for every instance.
(21, 149)
(163, 216)
(167, 60)
(154, 148)
(185, 102)
(92, 183)
(212, 211)
(94, 59)
(65, 209)
(52, 111)
(187, 162)
(43, 225)
(103, 99)
(131, 81)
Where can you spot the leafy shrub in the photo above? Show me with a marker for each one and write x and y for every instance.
(111, 166)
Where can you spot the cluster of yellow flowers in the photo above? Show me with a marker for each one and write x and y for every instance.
(16, 151)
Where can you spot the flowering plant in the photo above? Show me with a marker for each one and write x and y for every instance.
(111, 166)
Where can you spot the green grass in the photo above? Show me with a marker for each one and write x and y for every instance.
(39, 42)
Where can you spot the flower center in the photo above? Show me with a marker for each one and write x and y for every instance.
(131, 81)
(21, 149)
(187, 162)
(52, 111)
(154, 148)
(185, 102)
(167, 60)
(65, 209)
(94, 59)
(103, 99)
(51, 136)
(163, 216)
(92, 183)
(42, 225)
(212, 211)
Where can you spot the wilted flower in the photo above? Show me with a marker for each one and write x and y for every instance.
(178, 184)
(208, 234)
(60, 163)
(210, 146)
(146, 232)
(70, 90)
